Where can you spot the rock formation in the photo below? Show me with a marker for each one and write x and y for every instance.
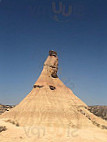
(51, 103)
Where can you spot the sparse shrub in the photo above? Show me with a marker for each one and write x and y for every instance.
(104, 127)
(17, 124)
(13, 122)
(2, 128)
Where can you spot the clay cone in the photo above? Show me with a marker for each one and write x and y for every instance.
(50, 102)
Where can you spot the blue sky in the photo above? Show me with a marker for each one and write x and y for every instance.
(30, 28)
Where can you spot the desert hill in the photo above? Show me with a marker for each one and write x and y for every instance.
(51, 107)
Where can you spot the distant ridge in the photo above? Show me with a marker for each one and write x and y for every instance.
(100, 111)
(4, 108)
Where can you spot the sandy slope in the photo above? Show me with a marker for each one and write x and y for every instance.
(51, 134)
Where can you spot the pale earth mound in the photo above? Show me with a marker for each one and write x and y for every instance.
(51, 112)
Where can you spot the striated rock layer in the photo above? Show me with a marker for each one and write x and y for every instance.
(51, 103)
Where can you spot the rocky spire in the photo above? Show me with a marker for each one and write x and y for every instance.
(51, 64)
(50, 102)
